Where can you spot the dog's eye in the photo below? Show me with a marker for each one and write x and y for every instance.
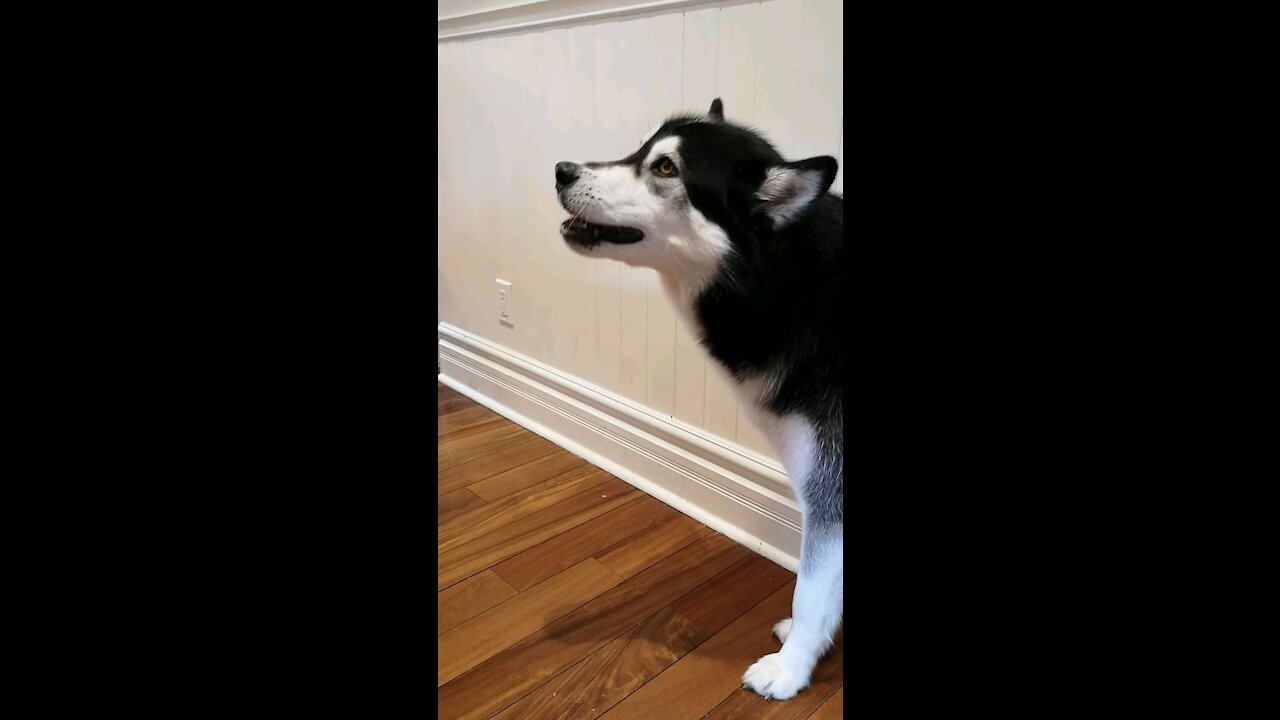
(665, 167)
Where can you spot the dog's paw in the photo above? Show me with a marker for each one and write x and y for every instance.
(770, 678)
(782, 630)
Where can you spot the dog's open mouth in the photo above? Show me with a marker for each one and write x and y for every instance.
(581, 232)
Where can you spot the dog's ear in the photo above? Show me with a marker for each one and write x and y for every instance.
(789, 188)
(717, 110)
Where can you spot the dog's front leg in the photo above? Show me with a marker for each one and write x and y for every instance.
(816, 609)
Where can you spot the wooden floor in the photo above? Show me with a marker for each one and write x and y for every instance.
(564, 592)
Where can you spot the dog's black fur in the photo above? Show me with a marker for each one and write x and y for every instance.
(777, 306)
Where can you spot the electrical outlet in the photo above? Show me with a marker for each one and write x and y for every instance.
(504, 301)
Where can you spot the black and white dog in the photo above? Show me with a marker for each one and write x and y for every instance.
(750, 248)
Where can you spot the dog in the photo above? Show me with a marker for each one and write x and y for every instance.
(750, 249)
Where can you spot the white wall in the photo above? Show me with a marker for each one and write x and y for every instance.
(513, 104)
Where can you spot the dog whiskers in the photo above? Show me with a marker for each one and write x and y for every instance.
(580, 211)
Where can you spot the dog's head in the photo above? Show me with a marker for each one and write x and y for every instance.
(693, 191)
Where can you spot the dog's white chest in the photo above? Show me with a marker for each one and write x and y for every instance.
(791, 436)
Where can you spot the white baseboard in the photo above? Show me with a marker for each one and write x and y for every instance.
(730, 489)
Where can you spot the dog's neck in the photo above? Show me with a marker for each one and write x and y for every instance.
(683, 292)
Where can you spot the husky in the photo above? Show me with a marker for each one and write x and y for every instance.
(750, 249)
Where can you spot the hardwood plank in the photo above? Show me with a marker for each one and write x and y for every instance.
(611, 673)
(444, 393)
(827, 678)
(522, 450)
(496, 629)
(630, 556)
(476, 443)
(463, 419)
(455, 503)
(489, 428)
(518, 478)
(494, 547)
(702, 679)
(455, 438)
(473, 523)
(509, 675)
(472, 411)
(833, 708)
(542, 561)
(448, 406)
(723, 599)
(470, 598)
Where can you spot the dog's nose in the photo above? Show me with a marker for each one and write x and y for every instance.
(566, 173)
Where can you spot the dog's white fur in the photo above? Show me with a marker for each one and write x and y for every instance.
(818, 602)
